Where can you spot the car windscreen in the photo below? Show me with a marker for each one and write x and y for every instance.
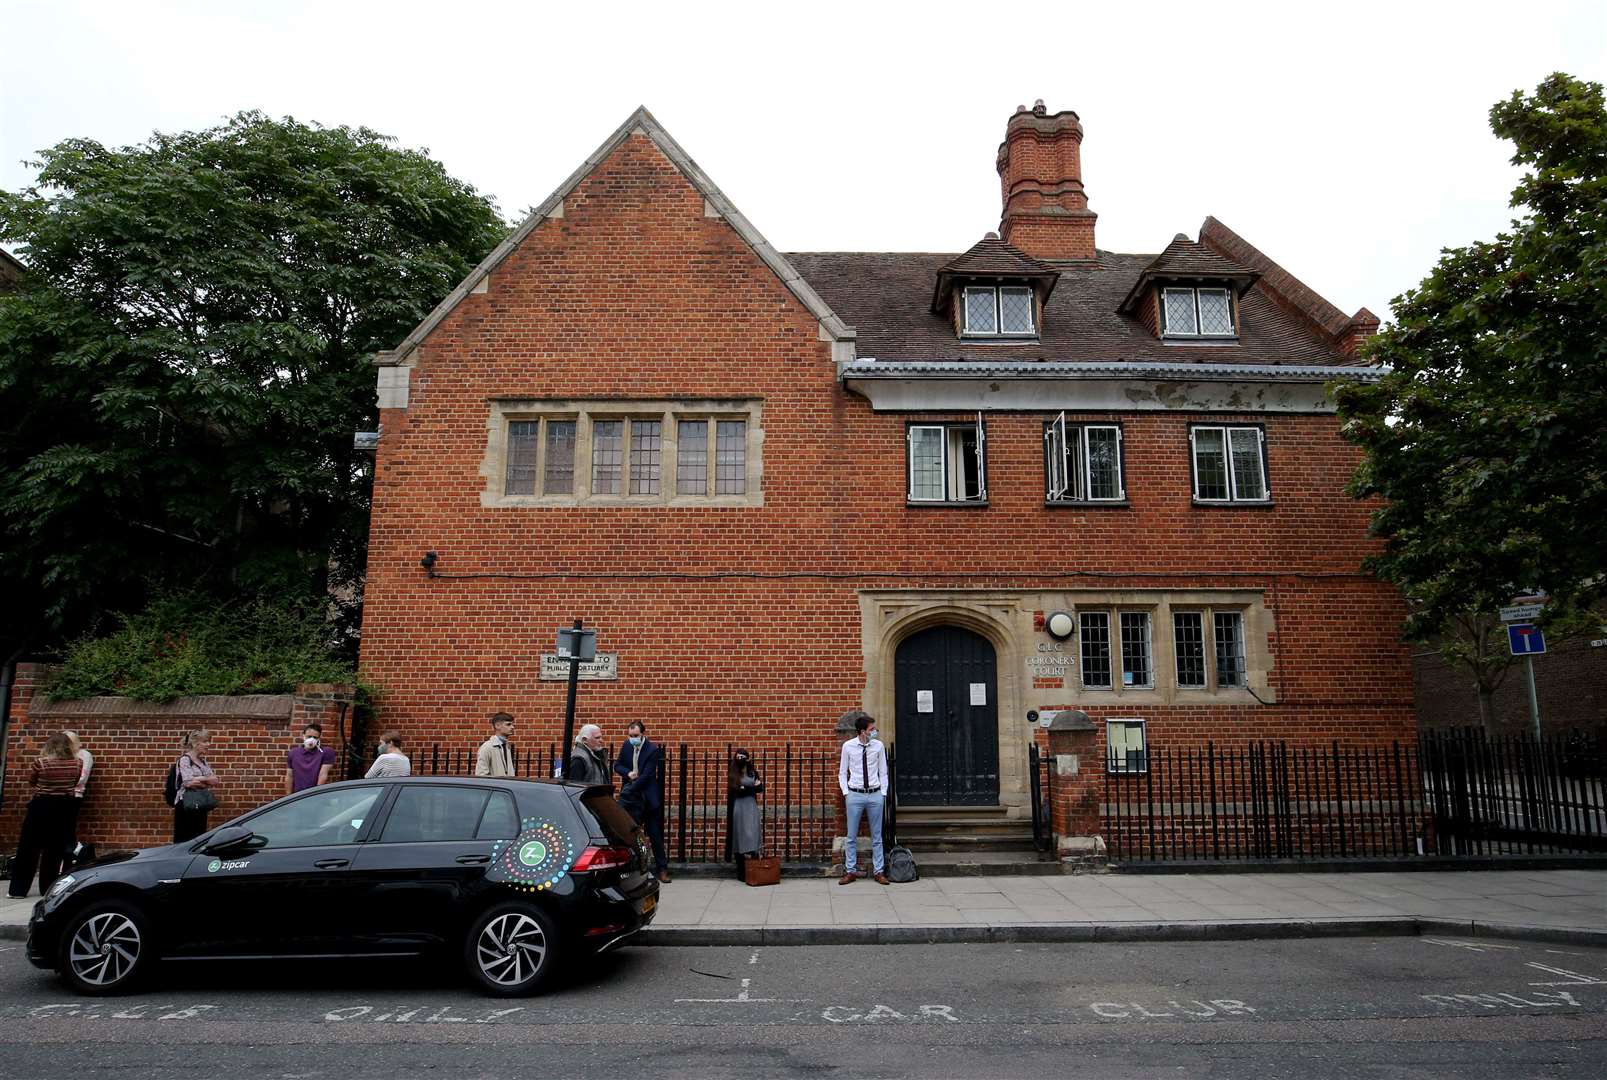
(619, 826)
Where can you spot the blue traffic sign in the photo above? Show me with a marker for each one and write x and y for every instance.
(1525, 639)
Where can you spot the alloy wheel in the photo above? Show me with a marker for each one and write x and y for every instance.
(511, 949)
(104, 949)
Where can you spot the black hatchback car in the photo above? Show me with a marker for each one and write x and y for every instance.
(510, 875)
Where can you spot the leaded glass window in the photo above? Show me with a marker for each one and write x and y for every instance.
(1188, 644)
(522, 446)
(646, 456)
(1229, 465)
(731, 457)
(1180, 314)
(981, 311)
(1216, 313)
(1210, 464)
(1015, 311)
(1084, 461)
(692, 457)
(1136, 668)
(1228, 629)
(559, 478)
(1095, 634)
(607, 456)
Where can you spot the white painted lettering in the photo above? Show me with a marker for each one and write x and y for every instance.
(189, 1013)
(407, 1017)
(830, 1013)
(439, 1016)
(351, 1012)
(136, 1012)
(497, 1014)
(1110, 1010)
(1565, 997)
(1148, 1014)
(882, 1012)
(1201, 1010)
(1231, 1007)
(945, 1011)
(50, 1010)
(1569, 978)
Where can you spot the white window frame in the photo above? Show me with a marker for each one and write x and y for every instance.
(1227, 462)
(1124, 768)
(953, 472)
(1065, 486)
(1199, 326)
(998, 311)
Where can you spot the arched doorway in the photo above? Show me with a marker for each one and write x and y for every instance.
(947, 725)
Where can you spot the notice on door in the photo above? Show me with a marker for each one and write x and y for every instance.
(923, 701)
(979, 693)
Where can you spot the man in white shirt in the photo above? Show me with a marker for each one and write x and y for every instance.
(862, 775)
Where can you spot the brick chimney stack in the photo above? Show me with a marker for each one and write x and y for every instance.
(1046, 210)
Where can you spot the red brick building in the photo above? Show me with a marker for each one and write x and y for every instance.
(949, 489)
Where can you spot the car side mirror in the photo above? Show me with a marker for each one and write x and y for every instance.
(227, 839)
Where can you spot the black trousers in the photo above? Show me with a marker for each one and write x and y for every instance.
(652, 822)
(45, 834)
(188, 824)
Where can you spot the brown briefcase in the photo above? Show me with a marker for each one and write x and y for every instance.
(762, 871)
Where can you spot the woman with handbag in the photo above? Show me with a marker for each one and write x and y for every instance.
(745, 836)
(195, 797)
(52, 778)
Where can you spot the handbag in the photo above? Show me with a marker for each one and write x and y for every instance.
(762, 870)
(198, 799)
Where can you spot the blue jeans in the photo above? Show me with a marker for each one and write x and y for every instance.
(858, 806)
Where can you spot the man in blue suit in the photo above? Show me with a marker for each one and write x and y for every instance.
(639, 762)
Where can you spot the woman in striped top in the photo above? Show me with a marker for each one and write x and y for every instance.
(53, 778)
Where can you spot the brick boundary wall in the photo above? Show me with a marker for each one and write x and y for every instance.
(134, 742)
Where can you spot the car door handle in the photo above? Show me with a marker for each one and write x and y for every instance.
(331, 864)
(474, 860)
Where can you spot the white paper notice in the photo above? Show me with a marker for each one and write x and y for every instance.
(923, 701)
(979, 693)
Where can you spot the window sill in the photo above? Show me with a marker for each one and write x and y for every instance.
(1232, 504)
(1088, 504)
(1167, 339)
(969, 504)
(1000, 339)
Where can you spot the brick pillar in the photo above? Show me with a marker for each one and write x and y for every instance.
(1075, 747)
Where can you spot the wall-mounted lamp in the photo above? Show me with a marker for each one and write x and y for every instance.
(1060, 625)
(428, 562)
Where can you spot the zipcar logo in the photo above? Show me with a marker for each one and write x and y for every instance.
(532, 853)
(218, 864)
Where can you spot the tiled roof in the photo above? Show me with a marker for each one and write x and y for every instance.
(991, 256)
(1185, 258)
(886, 297)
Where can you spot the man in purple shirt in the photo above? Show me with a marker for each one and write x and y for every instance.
(309, 764)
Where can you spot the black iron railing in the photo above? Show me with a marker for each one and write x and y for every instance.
(1514, 795)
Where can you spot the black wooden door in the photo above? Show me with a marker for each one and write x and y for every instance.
(946, 695)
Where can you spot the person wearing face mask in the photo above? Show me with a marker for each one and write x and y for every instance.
(862, 775)
(587, 765)
(391, 761)
(638, 763)
(745, 836)
(309, 764)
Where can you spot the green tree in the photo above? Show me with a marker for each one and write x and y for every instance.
(1488, 439)
(184, 364)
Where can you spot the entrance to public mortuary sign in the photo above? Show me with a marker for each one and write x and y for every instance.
(947, 728)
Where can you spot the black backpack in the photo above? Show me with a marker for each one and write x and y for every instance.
(901, 866)
(170, 787)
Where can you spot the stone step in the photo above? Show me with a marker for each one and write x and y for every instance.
(941, 829)
(979, 864)
(977, 844)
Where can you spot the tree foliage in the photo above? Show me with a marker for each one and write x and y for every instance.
(1488, 439)
(186, 361)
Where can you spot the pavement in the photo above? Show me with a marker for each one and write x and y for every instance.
(1552, 905)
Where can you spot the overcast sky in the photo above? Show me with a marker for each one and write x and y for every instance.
(1350, 142)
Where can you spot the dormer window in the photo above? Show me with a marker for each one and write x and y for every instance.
(999, 311)
(1197, 312)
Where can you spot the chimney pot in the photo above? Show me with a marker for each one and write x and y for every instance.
(991, 236)
(1180, 236)
(1038, 108)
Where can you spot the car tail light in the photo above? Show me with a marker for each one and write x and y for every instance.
(602, 858)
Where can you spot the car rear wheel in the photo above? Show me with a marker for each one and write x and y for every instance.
(511, 949)
(106, 948)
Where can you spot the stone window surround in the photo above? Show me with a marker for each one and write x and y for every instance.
(1160, 603)
(669, 410)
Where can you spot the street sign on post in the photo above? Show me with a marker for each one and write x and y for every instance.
(1525, 639)
(1521, 613)
(574, 645)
